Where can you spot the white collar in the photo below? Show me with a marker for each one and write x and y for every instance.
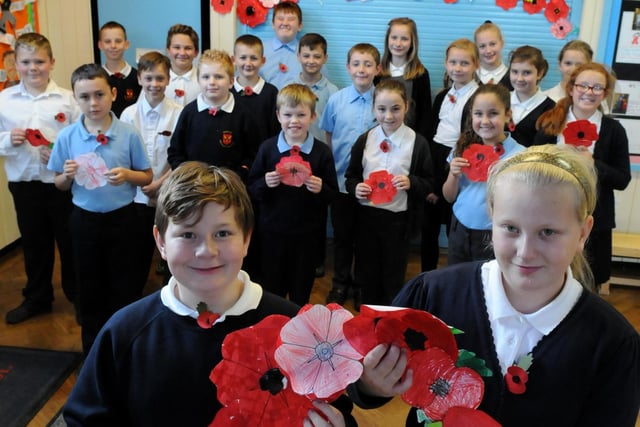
(227, 106)
(403, 133)
(188, 76)
(124, 71)
(397, 71)
(256, 89)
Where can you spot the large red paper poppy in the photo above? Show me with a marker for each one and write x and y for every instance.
(293, 170)
(382, 190)
(507, 4)
(465, 417)
(251, 12)
(580, 133)
(480, 158)
(408, 328)
(250, 384)
(315, 355)
(222, 6)
(36, 138)
(555, 10)
(533, 6)
(438, 385)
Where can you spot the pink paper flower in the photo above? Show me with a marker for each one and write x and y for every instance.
(561, 28)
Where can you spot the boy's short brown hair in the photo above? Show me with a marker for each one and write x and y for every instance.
(89, 72)
(249, 40)
(153, 59)
(210, 56)
(365, 48)
(296, 94)
(113, 25)
(33, 41)
(313, 40)
(186, 191)
(187, 31)
(287, 7)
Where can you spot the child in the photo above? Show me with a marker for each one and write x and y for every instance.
(400, 60)
(250, 89)
(292, 219)
(572, 55)
(384, 230)
(182, 48)
(587, 87)
(348, 113)
(312, 54)
(122, 76)
(37, 103)
(104, 215)
(155, 117)
(533, 299)
(214, 128)
(450, 111)
(204, 220)
(492, 70)
(282, 66)
(470, 231)
(527, 67)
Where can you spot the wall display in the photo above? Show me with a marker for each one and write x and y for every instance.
(16, 18)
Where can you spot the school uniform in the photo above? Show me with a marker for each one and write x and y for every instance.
(128, 89)
(261, 102)
(323, 89)
(281, 66)
(525, 114)
(183, 88)
(500, 75)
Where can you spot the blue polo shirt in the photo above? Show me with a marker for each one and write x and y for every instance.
(282, 66)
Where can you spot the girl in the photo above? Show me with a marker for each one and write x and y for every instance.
(384, 228)
(527, 67)
(492, 70)
(587, 87)
(470, 231)
(572, 55)
(450, 110)
(532, 300)
(400, 61)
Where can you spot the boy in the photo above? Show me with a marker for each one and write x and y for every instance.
(182, 48)
(249, 88)
(292, 218)
(155, 117)
(101, 160)
(348, 114)
(282, 66)
(122, 76)
(151, 363)
(37, 104)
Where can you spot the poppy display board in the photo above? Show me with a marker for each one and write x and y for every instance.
(17, 17)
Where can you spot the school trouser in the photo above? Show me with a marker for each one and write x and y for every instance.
(598, 251)
(289, 263)
(104, 248)
(43, 220)
(343, 219)
(146, 219)
(382, 254)
(466, 244)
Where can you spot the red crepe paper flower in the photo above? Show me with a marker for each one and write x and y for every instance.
(213, 111)
(415, 330)
(179, 93)
(580, 133)
(293, 169)
(247, 91)
(480, 158)
(60, 117)
(251, 12)
(507, 4)
(555, 10)
(516, 379)
(438, 385)
(561, 28)
(102, 138)
(282, 67)
(250, 384)
(315, 355)
(459, 416)
(206, 318)
(165, 133)
(36, 138)
(222, 6)
(384, 146)
(451, 1)
(382, 190)
(533, 6)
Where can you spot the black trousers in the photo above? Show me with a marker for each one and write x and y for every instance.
(343, 219)
(466, 244)
(146, 219)
(598, 251)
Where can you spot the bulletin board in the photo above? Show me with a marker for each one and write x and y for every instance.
(16, 17)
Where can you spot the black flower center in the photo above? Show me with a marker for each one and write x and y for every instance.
(515, 379)
(480, 156)
(414, 339)
(580, 134)
(271, 381)
(440, 387)
(381, 185)
(250, 11)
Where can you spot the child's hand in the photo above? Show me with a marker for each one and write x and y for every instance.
(384, 367)
(313, 184)
(151, 190)
(401, 182)
(69, 169)
(272, 179)
(18, 136)
(363, 191)
(432, 198)
(117, 176)
(45, 153)
(324, 415)
(456, 165)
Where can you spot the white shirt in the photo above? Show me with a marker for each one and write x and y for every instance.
(397, 71)
(187, 82)
(450, 114)
(494, 76)
(520, 110)
(556, 93)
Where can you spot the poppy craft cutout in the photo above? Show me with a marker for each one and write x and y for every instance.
(382, 190)
(222, 6)
(60, 117)
(250, 385)
(92, 171)
(251, 12)
(480, 158)
(36, 138)
(293, 169)
(580, 133)
(314, 353)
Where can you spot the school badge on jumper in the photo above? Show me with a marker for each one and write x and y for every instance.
(227, 138)
(128, 94)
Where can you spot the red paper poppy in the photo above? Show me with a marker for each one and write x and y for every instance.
(480, 158)
(315, 355)
(451, 1)
(384, 146)
(464, 417)
(516, 379)
(206, 319)
(452, 98)
(533, 6)
(293, 169)
(118, 75)
(102, 138)
(222, 6)
(179, 93)
(561, 28)
(165, 133)
(382, 190)
(438, 385)
(251, 12)
(60, 117)
(499, 148)
(282, 67)
(213, 111)
(555, 10)
(248, 91)
(507, 4)
(511, 125)
(580, 133)
(415, 330)
(250, 384)
(36, 138)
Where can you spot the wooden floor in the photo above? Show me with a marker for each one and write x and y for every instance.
(59, 331)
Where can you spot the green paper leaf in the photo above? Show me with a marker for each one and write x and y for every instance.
(525, 361)
(468, 359)
(455, 331)
(202, 307)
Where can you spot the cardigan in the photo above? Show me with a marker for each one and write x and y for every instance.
(525, 131)
(263, 107)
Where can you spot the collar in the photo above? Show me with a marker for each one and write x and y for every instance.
(535, 100)
(146, 108)
(292, 45)
(457, 93)
(401, 134)
(51, 89)
(354, 95)
(256, 89)
(124, 71)
(319, 85)
(488, 74)
(249, 299)
(596, 118)
(283, 145)
(397, 71)
(86, 136)
(226, 107)
(188, 76)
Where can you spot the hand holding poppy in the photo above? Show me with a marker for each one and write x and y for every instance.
(323, 415)
(456, 166)
(401, 182)
(69, 169)
(385, 371)
(272, 179)
(363, 191)
(313, 184)
(117, 176)
(18, 136)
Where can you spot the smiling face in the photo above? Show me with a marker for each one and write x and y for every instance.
(389, 109)
(399, 43)
(460, 66)
(94, 98)
(362, 69)
(585, 104)
(490, 47)
(154, 82)
(571, 60)
(215, 83)
(34, 67)
(489, 116)
(248, 60)
(524, 78)
(286, 26)
(312, 58)
(295, 121)
(113, 43)
(181, 52)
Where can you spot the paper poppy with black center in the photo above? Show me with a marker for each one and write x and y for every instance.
(561, 28)
(415, 330)
(555, 10)
(179, 93)
(459, 416)
(36, 138)
(250, 384)
(60, 117)
(293, 169)
(580, 133)
(533, 6)
(382, 190)
(438, 385)
(507, 4)
(516, 379)
(247, 91)
(480, 158)
(251, 12)
(222, 6)
(315, 355)
(102, 138)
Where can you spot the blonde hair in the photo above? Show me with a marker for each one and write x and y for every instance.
(577, 45)
(414, 67)
(466, 45)
(365, 48)
(296, 94)
(214, 56)
(32, 41)
(487, 26)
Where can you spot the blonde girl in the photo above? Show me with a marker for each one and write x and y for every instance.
(571, 56)
(492, 70)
